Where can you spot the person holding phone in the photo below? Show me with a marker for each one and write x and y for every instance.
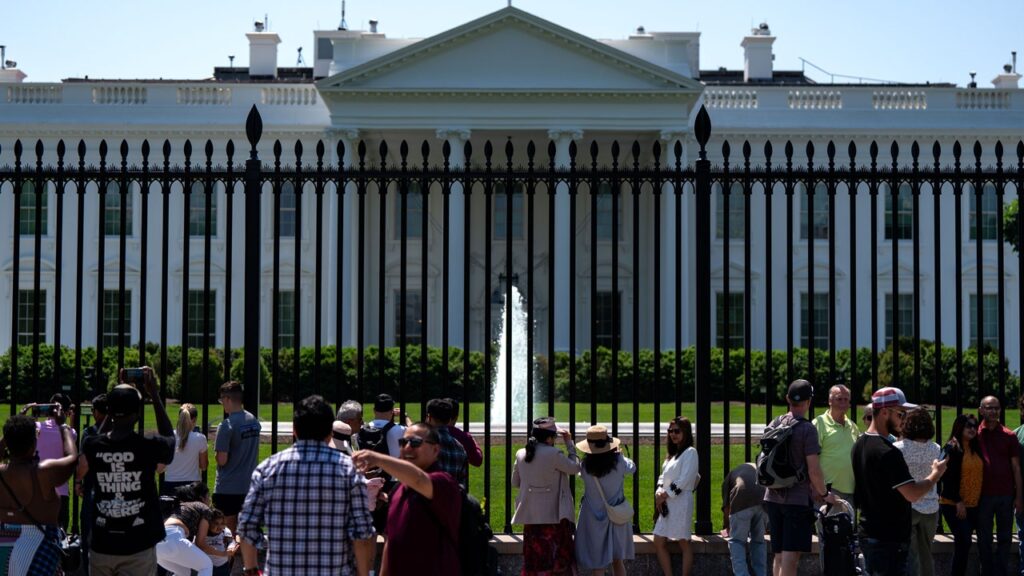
(53, 418)
(673, 500)
(28, 497)
(120, 465)
(919, 451)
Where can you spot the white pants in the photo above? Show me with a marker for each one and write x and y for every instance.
(179, 556)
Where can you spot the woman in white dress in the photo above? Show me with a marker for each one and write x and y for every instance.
(673, 501)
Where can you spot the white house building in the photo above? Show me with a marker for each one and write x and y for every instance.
(506, 77)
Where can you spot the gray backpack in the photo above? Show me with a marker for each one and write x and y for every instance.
(775, 469)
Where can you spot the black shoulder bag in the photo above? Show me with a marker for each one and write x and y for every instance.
(69, 544)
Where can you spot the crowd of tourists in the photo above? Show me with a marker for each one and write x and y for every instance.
(318, 506)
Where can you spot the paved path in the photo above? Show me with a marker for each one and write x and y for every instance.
(647, 429)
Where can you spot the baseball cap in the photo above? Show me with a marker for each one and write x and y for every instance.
(890, 397)
(124, 400)
(800, 390)
(384, 403)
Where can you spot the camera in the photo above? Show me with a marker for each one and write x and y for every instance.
(134, 376)
(45, 410)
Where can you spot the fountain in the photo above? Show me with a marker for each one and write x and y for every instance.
(521, 362)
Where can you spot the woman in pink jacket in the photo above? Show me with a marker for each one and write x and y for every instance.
(544, 504)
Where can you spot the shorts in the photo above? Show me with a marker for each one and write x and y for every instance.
(791, 527)
(229, 504)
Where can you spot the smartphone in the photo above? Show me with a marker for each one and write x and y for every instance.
(45, 410)
(133, 376)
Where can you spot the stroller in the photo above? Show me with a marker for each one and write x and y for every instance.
(840, 552)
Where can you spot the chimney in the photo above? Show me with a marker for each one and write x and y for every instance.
(1009, 79)
(12, 76)
(263, 53)
(757, 54)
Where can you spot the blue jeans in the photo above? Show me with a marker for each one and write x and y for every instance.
(882, 558)
(999, 509)
(743, 525)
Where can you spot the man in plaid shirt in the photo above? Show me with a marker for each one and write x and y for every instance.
(452, 458)
(313, 503)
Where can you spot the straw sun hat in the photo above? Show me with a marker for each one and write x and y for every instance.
(598, 441)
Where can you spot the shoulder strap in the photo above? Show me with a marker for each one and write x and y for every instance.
(387, 428)
(600, 490)
(22, 508)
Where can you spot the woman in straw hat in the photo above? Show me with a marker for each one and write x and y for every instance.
(599, 541)
(544, 504)
(673, 501)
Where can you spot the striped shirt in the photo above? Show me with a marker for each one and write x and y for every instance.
(313, 504)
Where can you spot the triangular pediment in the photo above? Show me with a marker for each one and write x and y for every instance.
(510, 51)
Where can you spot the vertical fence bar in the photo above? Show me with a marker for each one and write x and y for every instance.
(100, 382)
(725, 186)
(298, 183)
(403, 293)
(702, 131)
(16, 274)
(382, 210)
(467, 219)
(769, 367)
(790, 190)
(1000, 284)
(616, 188)
(1020, 253)
(446, 193)
(186, 272)
(341, 389)
(894, 189)
(531, 190)
(810, 187)
(510, 217)
(361, 280)
(551, 182)
(251, 341)
(873, 191)
(958, 187)
(656, 383)
(852, 184)
(592, 368)
(677, 190)
(915, 189)
(424, 297)
(165, 230)
(58, 365)
(979, 318)
(571, 224)
(747, 287)
(123, 324)
(275, 301)
(209, 189)
(488, 341)
(318, 290)
(229, 223)
(80, 188)
(636, 186)
(939, 375)
(144, 184)
(831, 190)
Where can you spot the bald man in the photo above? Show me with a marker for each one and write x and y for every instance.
(1001, 488)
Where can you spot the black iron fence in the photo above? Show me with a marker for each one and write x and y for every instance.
(649, 269)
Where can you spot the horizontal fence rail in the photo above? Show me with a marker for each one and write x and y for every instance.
(593, 274)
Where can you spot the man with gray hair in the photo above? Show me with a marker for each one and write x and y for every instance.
(351, 413)
(836, 436)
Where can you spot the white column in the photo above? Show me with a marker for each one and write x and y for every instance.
(457, 241)
(667, 213)
(563, 228)
(350, 139)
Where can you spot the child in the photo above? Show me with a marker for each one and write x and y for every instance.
(223, 543)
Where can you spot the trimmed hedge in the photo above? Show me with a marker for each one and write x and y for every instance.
(338, 376)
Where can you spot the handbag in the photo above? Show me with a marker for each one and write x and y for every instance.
(621, 513)
(69, 544)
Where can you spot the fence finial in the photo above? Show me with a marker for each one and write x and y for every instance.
(253, 130)
(702, 130)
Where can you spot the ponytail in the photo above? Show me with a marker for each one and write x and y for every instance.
(531, 448)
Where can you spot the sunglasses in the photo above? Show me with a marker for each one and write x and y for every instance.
(413, 442)
(674, 431)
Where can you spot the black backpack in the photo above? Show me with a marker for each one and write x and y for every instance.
(774, 468)
(376, 439)
(477, 557)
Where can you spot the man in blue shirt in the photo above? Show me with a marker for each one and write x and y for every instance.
(237, 447)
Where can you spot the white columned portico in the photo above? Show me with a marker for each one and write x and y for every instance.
(563, 228)
(457, 241)
(345, 273)
(667, 214)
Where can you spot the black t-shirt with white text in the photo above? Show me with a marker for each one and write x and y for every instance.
(878, 470)
(126, 505)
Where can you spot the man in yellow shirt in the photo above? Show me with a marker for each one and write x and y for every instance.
(837, 434)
